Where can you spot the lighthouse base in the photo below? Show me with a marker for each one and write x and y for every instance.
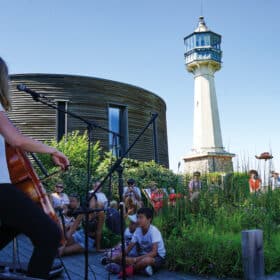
(208, 162)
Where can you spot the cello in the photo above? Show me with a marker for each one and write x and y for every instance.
(24, 177)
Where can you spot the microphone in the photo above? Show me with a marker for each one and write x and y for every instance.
(34, 94)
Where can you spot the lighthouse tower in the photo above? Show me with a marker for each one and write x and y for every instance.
(203, 58)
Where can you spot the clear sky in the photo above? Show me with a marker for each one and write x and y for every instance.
(141, 43)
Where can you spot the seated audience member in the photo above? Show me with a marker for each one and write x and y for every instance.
(75, 239)
(132, 191)
(114, 204)
(195, 186)
(157, 197)
(173, 197)
(128, 233)
(58, 198)
(151, 249)
(131, 206)
(112, 220)
(101, 197)
(71, 213)
(254, 181)
(114, 254)
(74, 205)
(66, 220)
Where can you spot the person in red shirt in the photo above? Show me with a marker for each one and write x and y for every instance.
(157, 197)
(173, 197)
(254, 181)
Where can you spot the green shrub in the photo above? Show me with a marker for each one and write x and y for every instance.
(198, 249)
(272, 254)
(75, 148)
(201, 237)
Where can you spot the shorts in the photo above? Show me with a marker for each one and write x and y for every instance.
(159, 262)
(79, 237)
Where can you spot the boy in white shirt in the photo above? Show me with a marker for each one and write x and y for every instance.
(150, 244)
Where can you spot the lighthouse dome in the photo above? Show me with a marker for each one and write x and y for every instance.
(202, 27)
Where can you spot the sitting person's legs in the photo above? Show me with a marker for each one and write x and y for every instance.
(76, 243)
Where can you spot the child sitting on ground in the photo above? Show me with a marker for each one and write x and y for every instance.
(111, 256)
(147, 237)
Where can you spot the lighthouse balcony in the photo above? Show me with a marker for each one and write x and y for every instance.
(202, 54)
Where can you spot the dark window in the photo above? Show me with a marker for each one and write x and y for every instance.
(118, 123)
(61, 119)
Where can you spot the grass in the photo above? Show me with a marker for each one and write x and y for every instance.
(204, 237)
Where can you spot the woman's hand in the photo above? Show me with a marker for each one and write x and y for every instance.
(60, 159)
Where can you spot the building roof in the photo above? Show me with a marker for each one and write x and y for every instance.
(202, 27)
(82, 78)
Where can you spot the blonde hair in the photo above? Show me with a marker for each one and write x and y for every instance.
(4, 85)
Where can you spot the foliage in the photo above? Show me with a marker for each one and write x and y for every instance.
(109, 239)
(200, 250)
(75, 147)
(203, 236)
(142, 172)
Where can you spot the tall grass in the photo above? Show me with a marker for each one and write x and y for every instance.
(204, 236)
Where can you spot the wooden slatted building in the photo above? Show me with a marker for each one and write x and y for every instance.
(116, 106)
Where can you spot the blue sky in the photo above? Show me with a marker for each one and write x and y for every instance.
(141, 43)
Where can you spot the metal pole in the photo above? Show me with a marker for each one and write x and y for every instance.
(155, 138)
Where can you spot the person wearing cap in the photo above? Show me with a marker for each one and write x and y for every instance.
(113, 257)
(59, 199)
(195, 186)
(132, 191)
(129, 231)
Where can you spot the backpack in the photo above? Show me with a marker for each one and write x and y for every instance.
(112, 220)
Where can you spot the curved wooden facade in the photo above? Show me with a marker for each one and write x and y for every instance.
(90, 98)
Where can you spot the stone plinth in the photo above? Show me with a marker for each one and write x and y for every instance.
(208, 162)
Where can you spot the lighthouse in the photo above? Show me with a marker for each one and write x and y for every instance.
(203, 57)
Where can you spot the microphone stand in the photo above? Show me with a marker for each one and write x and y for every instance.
(90, 125)
(117, 167)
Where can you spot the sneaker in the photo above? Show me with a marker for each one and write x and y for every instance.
(149, 270)
(113, 268)
(129, 271)
(105, 261)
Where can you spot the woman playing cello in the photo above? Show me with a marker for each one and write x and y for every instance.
(18, 213)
